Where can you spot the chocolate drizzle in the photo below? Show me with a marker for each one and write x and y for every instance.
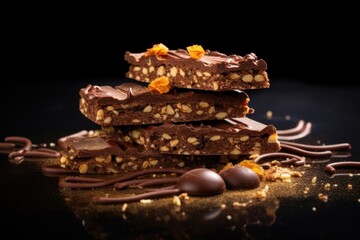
(331, 167)
(198, 182)
(18, 148)
(301, 130)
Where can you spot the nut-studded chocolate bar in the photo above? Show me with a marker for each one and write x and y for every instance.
(213, 71)
(99, 154)
(133, 104)
(237, 136)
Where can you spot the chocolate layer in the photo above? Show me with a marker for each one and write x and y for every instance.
(92, 146)
(237, 136)
(133, 104)
(128, 157)
(214, 71)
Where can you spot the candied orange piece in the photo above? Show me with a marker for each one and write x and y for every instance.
(259, 170)
(157, 49)
(160, 84)
(196, 51)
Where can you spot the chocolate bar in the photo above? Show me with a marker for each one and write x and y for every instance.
(236, 136)
(213, 71)
(134, 104)
(90, 154)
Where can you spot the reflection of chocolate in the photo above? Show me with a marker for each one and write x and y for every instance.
(213, 217)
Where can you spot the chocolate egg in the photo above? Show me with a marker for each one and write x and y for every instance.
(240, 177)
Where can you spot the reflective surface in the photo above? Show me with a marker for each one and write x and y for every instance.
(33, 203)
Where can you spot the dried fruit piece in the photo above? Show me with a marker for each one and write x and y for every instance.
(196, 51)
(259, 170)
(157, 49)
(160, 84)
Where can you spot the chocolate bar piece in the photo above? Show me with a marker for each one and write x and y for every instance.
(213, 71)
(92, 155)
(237, 136)
(133, 104)
(92, 146)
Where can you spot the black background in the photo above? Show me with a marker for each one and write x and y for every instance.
(65, 46)
(68, 47)
(68, 43)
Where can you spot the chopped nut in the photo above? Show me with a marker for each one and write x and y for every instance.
(160, 71)
(176, 200)
(244, 138)
(110, 108)
(181, 164)
(83, 168)
(170, 110)
(164, 149)
(199, 112)
(148, 108)
(221, 115)
(192, 140)
(313, 180)
(173, 143)
(186, 108)
(166, 136)
(327, 186)
(247, 78)
(233, 76)
(135, 134)
(124, 207)
(107, 120)
(99, 114)
(204, 104)
(215, 138)
(323, 197)
(259, 78)
(235, 152)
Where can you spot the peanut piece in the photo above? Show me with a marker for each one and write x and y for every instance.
(247, 78)
(221, 115)
(259, 78)
(204, 104)
(166, 136)
(99, 114)
(107, 120)
(215, 138)
(173, 71)
(148, 108)
(160, 71)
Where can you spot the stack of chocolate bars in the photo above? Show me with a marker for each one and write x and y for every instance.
(177, 109)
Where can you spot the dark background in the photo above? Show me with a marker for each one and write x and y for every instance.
(67, 43)
(52, 49)
(51, 52)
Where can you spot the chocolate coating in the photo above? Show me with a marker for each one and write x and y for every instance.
(92, 146)
(235, 136)
(133, 104)
(212, 61)
(240, 177)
